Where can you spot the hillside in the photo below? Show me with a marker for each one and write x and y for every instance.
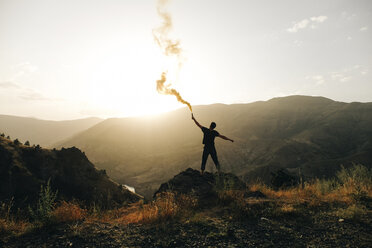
(24, 169)
(213, 210)
(43, 132)
(311, 135)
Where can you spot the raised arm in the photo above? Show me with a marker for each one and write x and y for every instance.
(225, 138)
(196, 122)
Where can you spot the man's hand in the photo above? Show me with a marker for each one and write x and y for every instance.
(232, 140)
(192, 116)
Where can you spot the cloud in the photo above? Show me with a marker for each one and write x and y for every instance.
(9, 85)
(348, 16)
(363, 29)
(344, 75)
(32, 95)
(299, 25)
(22, 92)
(319, 79)
(26, 66)
(311, 22)
(319, 19)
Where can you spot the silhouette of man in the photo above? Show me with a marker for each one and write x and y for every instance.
(208, 141)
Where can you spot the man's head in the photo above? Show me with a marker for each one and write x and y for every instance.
(213, 125)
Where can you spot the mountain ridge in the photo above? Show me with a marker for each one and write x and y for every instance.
(298, 133)
(43, 132)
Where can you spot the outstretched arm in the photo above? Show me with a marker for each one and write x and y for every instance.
(196, 122)
(225, 138)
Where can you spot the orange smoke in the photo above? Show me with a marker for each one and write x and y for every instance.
(170, 48)
(165, 90)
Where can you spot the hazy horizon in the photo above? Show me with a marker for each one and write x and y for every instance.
(165, 112)
(65, 60)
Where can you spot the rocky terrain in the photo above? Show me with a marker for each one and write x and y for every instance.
(261, 221)
(210, 231)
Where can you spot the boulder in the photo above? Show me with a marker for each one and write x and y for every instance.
(203, 187)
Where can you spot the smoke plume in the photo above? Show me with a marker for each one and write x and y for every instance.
(169, 47)
(166, 90)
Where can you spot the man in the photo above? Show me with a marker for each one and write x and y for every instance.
(208, 141)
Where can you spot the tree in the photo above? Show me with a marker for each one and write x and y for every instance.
(16, 142)
(8, 137)
(27, 143)
(2, 135)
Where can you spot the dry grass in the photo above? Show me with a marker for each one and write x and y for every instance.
(11, 227)
(167, 206)
(69, 212)
(312, 194)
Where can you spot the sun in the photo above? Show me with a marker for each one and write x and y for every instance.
(126, 83)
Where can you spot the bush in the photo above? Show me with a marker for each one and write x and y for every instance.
(353, 212)
(45, 206)
(167, 206)
(69, 212)
(325, 186)
(358, 176)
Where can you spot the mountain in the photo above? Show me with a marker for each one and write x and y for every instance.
(43, 132)
(24, 169)
(311, 136)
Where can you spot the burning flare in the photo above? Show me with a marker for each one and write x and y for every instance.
(170, 48)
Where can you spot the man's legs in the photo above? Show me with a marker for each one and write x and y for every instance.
(204, 159)
(213, 153)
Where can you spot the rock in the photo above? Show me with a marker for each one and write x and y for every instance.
(203, 187)
(282, 179)
(254, 194)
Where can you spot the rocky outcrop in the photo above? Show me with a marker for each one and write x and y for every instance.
(203, 187)
(23, 169)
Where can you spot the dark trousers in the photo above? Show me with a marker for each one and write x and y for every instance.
(210, 150)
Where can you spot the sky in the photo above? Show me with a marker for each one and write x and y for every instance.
(69, 59)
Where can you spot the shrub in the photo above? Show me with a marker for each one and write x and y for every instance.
(167, 206)
(354, 212)
(10, 225)
(325, 186)
(358, 176)
(69, 212)
(45, 206)
(5, 209)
